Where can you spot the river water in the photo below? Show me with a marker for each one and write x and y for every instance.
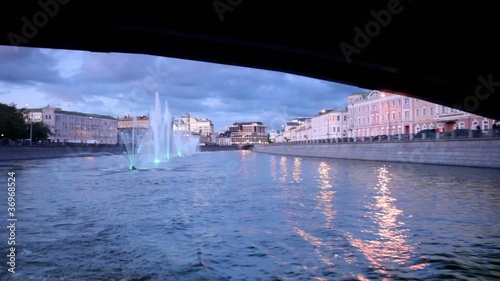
(241, 215)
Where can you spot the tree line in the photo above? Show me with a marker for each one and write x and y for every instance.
(14, 125)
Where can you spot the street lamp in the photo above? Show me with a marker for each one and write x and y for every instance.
(352, 120)
(389, 133)
(328, 128)
(31, 125)
(92, 133)
(328, 124)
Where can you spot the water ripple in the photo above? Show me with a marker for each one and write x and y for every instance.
(264, 217)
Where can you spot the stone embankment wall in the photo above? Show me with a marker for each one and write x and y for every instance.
(472, 153)
(10, 153)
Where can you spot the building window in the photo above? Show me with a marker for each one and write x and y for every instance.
(338, 117)
(416, 113)
(443, 109)
(393, 116)
(399, 115)
(345, 118)
(424, 111)
(486, 125)
(407, 101)
(407, 114)
(461, 125)
(393, 103)
(431, 111)
(376, 116)
(474, 125)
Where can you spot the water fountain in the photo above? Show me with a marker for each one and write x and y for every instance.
(134, 143)
(158, 142)
(185, 143)
(161, 126)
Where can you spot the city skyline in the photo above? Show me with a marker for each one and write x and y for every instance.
(124, 84)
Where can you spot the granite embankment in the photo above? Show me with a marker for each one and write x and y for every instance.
(11, 153)
(472, 153)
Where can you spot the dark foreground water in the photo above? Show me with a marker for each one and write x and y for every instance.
(239, 215)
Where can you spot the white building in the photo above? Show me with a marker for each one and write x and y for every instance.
(381, 113)
(297, 129)
(76, 127)
(329, 124)
(202, 127)
(182, 123)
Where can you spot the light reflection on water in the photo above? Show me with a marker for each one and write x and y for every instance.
(245, 216)
(297, 170)
(283, 169)
(326, 194)
(388, 249)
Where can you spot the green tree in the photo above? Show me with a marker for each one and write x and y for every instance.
(12, 123)
(40, 131)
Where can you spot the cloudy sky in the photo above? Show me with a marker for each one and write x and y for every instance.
(125, 84)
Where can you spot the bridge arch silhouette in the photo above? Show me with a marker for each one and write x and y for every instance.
(444, 53)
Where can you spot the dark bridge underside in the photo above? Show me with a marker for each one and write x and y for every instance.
(441, 52)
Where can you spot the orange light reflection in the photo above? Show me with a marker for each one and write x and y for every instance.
(283, 169)
(297, 170)
(326, 194)
(391, 245)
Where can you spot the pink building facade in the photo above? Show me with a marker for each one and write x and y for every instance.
(381, 113)
(377, 113)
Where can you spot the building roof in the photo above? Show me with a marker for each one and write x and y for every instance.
(32, 109)
(84, 114)
(58, 110)
(248, 123)
(363, 94)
